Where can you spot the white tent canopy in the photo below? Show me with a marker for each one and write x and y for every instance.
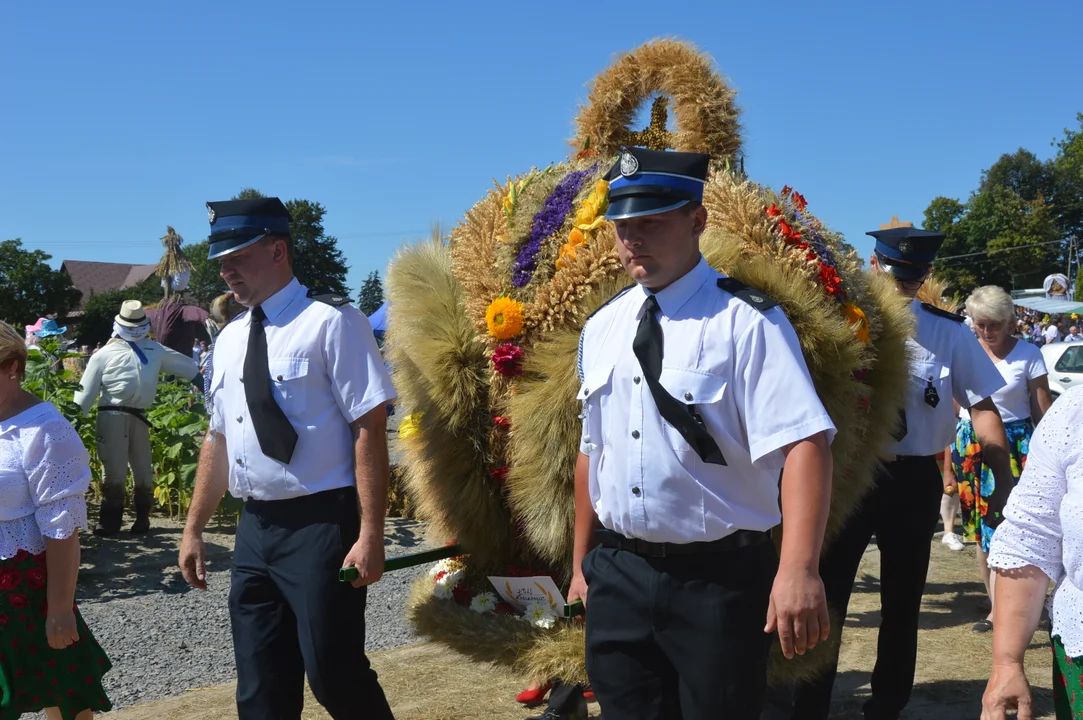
(1053, 307)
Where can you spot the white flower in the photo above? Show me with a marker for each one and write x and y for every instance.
(483, 603)
(540, 615)
(443, 566)
(446, 583)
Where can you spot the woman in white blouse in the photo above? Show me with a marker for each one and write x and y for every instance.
(1021, 402)
(1041, 539)
(50, 660)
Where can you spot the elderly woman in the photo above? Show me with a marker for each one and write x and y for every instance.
(1041, 539)
(1021, 402)
(50, 661)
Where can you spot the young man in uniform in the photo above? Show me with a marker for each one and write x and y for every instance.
(695, 395)
(901, 509)
(297, 430)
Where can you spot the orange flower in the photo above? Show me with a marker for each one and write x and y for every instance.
(968, 465)
(567, 255)
(576, 238)
(966, 497)
(856, 316)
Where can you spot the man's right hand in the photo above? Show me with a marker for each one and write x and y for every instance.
(578, 589)
(192, 557)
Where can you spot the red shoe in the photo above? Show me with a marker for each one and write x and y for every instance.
(588, 695)
(534, 697)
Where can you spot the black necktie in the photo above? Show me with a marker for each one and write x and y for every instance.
(277, 438)
(649, 348)
(900, 430)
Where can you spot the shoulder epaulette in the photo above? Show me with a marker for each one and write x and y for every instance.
(619, 293)
(750, 295)
(943, 313)
(333, 299)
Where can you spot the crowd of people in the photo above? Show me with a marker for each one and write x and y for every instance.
(683, 590)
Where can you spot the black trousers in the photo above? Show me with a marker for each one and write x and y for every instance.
(679, 637)
(291, 616)
(901, 510)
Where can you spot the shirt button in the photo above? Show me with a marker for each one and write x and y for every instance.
(586, 392)
(635, 434)
(635, 491)
(636, 379)
(688, 396)
(279, 378)
(240, 418)
(240, 462)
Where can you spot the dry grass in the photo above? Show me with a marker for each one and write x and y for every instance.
(429, 682)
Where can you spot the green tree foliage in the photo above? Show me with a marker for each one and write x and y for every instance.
(29, 288)
(1017, 227)
(95, 326)
(317, 262)
(372, 294)
(205, 283)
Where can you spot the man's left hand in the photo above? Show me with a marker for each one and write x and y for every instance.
(368, 557)
(798, 611)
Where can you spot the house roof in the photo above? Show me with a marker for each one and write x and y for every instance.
(98, 277)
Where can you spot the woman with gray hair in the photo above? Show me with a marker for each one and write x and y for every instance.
(1022, 402)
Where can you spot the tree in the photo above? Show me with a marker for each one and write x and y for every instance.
(29, 288)
(318, 263)
(95, 325)
(204, 283)
(372, 294)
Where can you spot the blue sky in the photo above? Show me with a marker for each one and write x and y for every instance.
(119, 118)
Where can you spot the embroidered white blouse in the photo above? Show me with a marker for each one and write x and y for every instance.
(1043, 521)
(44, 475)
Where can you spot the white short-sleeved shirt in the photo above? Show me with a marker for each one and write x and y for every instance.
(740, 368)
(326, 372)
(944, 355)
(1042, 523)
(44, 476)
(1023, 364)
(1052, 333)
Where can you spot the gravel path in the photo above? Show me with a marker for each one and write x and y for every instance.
(165, 637)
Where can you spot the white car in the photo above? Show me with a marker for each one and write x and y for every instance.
(1065, 364)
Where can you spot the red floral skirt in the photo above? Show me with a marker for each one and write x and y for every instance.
(33, 676)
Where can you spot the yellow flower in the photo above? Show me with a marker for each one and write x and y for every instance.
(856, 316)
(504, 317)
(567, 254)
(587, 211)
(410, 425)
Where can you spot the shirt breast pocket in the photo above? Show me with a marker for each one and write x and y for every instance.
(697, 392)
(289, 382)
(595, 394)
(931, 375)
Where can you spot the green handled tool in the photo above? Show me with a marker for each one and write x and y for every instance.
(349, 574)
(574, 609)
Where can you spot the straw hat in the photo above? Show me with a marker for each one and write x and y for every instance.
(131, 314)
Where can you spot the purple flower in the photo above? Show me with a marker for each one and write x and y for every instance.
(547, 222)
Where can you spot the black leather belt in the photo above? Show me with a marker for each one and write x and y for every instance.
(139, 413)
(734, 541)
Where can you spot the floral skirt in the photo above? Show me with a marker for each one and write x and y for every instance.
(982, 501)
(33, 676)
(1067, 683)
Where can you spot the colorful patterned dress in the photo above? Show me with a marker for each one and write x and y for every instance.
(43, 478)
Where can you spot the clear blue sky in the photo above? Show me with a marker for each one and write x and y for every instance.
(119, 118)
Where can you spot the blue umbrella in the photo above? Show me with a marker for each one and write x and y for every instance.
(379, 320)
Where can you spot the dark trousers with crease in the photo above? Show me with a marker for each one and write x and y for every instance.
(291, 617)
(680, 637)
(901, 510)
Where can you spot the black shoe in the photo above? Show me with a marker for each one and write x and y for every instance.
(109, 522)
(580, 713)
(566, 702)
(142, 521)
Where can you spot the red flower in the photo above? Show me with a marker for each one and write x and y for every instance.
(799, 201)
(3, 619)
(19, 601)
(502, 608)
(810, 256)
(71, 693)
(500, 474)
(10, 579)
(501, 421)
(21, 555)
(51, 662)
(831, 281)
(33, 649)
(35, 578)
(461, 594)
(773, 211)
(72, 668)
(508, 359)
(787, 232)
(786, 190)
(440, 576)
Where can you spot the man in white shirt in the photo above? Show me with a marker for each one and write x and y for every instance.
(1051, 333)
(1073, 335)
(298, 431)
(695, 394)
(125, 374)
